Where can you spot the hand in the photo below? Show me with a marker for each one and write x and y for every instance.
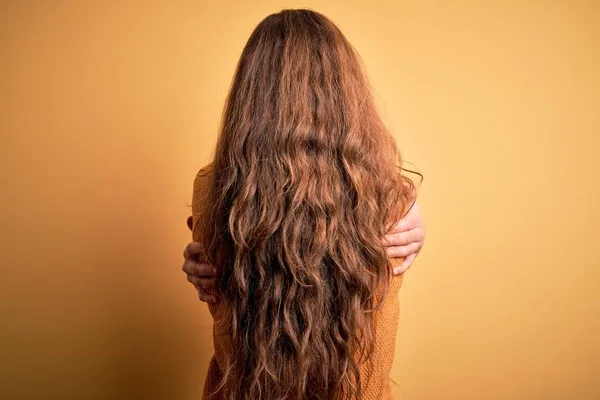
(405, 239)
(199, 274)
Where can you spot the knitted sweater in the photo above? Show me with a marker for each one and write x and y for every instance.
(377, 386)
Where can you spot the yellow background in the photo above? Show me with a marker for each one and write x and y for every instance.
(107, 110)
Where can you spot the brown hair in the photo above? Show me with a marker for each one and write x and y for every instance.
(305, 180)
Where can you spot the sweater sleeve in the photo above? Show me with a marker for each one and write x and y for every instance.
(199, 207)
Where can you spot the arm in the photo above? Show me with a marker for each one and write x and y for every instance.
(405, 239)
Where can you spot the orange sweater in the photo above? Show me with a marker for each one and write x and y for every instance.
(375, 387)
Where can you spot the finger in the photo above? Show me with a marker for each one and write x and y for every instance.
(406, 264)
(199, 269)
(193, 250)
(403, 238)
(403, 251)
(206, 292)
(190, 222)
(203, 283)
(401, 225)
(207, 298)
(408, 222)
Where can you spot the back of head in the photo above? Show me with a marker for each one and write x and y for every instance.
(305, 179)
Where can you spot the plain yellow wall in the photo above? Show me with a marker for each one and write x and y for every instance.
(107, 110)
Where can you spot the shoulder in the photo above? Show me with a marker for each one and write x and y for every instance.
(203, 175)
(206, 170)
(200, 196)
(201, 182)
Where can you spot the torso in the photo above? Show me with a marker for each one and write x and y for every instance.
(377, 386)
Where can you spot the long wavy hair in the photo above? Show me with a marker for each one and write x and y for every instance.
(306, 180)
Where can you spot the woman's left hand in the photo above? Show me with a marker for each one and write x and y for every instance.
(405, 239)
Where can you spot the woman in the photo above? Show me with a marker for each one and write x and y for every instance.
(291, 212)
